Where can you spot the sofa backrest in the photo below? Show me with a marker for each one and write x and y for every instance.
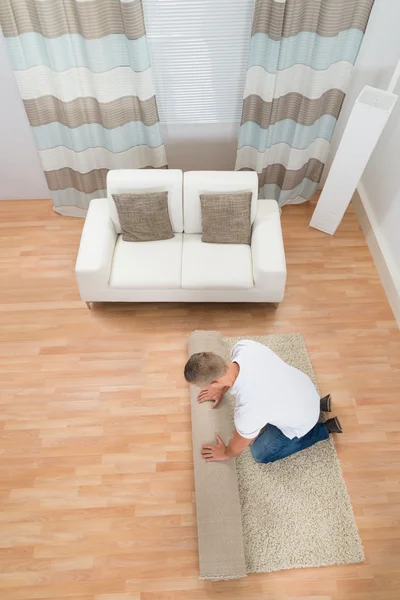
(209, 182)
(148, 180)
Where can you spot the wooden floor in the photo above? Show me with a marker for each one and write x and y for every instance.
(96, 482)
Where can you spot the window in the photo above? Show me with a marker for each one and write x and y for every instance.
(199, 51)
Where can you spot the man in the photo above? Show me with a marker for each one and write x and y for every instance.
(276, 405)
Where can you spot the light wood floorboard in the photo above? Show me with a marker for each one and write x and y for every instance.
(96, 478)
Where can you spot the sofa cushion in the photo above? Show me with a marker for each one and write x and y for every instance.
(147, 265)
(226, 218)
(215, 266)
(120, 181)
(214, 182)
(143, 216)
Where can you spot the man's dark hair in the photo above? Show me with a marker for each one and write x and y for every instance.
(204, 367)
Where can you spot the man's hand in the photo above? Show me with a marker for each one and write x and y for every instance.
(221, 452)
(210, 394)
(213, 453)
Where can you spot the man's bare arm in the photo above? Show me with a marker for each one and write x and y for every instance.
(236, 445)
(221, 452)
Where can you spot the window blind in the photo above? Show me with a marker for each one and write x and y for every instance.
(199, 51)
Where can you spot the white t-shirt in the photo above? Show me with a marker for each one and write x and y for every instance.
(268, 390)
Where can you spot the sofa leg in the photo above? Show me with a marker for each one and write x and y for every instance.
(89, 305)
(275, 305)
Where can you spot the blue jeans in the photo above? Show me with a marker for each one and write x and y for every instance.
(272, 444)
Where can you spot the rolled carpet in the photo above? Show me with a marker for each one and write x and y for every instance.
(219, 520)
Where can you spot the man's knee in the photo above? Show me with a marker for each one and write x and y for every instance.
(257, 453)
(265, 453)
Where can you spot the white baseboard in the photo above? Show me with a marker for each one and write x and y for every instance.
(384, 262)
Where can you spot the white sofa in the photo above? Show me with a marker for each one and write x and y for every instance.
(182, 269)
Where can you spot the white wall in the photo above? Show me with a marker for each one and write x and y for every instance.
(380, 184)
(21, 175)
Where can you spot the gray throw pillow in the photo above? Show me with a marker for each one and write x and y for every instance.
(144, 216)
(226, 218)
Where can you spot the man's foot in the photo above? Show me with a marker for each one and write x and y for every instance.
(326, 403)
(334, 425)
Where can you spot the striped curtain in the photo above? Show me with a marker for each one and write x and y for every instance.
(83, 71)
(301, 59)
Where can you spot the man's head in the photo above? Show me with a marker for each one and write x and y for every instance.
(205, 369)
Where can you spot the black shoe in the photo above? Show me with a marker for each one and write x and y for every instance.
(334, 425)
(326, 403)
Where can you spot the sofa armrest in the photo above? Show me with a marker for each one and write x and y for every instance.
(268, 254)
(96, 250)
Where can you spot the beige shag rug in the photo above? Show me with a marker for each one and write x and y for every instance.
(296, 512)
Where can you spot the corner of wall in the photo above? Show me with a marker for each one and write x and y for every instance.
(384, 262)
